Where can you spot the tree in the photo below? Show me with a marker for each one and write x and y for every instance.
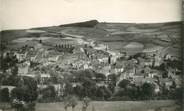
(88, 87)
(19, 93)
(68, 88)
(78, 90)
(108, 93)
(22, 100)
(25, 95)
(100, 92)
(132, 92)
(31, 86)
(112, 82)
(14, 71)
(112, 78)
(10, 80)
(49, 92)
(178, 95)
(4, 98)
(103, 93)
(124, 83)
(4, 95)
(100, 77)
(147, 90)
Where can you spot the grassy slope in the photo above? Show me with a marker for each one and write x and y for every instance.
(113, 106)
(99, 31)
(116, 35)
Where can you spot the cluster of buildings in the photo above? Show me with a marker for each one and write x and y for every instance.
(40, 60)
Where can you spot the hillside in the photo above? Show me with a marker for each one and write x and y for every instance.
(103, 28)
(116, 35)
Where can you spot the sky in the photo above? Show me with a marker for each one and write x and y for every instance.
(21, 14)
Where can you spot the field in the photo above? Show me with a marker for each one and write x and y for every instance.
(115, 35)
(114, 106)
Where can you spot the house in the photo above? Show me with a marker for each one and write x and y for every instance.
(103, 60)
(21, 56)
(118, 67)
(167, 83)
(178, 80)
(128, 74)
(23, 68)
(152, 74)
(105, 70)
(102, 83)
(29, 75)
(171, 72)
(156, 88)
(100, 47)
(59, 89)
(151, 49)
(43, 77)
(75, 84)
(157, 60)
(53, 59)
(148, 62)
(41, 86)
(85, 66)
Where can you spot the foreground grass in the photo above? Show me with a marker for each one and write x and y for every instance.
(114, 106)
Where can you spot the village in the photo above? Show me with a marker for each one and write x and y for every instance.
(68, 66)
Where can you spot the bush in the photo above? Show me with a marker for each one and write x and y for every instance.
(4, 95)
(103, 93)
(49, 93)
(124, 83)
(147, 90)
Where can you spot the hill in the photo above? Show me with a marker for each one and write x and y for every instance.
(116, 35)
(90, 23)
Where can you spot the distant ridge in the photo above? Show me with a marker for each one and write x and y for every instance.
(96, 28)
(90, 23)
(93, 23)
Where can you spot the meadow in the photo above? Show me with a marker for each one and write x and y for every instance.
(114, 106)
